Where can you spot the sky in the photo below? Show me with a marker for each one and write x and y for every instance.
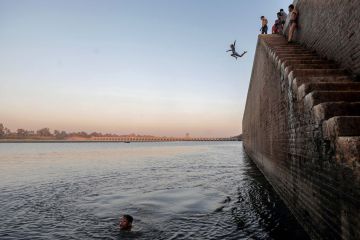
(154, 67)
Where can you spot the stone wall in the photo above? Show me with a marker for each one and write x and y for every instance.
(331, 28)
(282, 133)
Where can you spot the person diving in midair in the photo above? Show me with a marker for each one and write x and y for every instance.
(234, 53)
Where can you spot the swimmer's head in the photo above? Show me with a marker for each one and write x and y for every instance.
(126, 222)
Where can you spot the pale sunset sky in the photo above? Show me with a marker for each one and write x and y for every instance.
(154, 67)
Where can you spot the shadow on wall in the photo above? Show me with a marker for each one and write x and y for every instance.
(275, 216)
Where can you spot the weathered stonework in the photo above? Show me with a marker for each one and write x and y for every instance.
(331, 28)
(301, 127)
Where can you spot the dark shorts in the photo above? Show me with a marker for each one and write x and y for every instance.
(264, 29)
(293, 21)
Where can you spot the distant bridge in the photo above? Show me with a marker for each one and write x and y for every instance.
(160, 139)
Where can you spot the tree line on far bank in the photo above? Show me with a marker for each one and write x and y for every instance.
(45, 133)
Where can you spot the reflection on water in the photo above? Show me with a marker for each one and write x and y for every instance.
(185, 190)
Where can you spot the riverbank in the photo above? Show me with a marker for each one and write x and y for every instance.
(99, 141)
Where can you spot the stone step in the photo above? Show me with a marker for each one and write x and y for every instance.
(317, 97)
(314, 66)
(318, 72)
(273, 41)
(298, 81)
(297, 62)
(348, 151)
(324, 111)
(341, 126)
(282, 44)
(278, 41)
(295, 53)
(292, 50)
(281, 40)
(283, 55)
(329, 86)
(273, 36)
(283, 59)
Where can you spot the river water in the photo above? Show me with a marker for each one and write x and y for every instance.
(177, 190)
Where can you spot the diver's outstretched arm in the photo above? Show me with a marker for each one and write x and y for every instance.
(229, 50)
(234, 43)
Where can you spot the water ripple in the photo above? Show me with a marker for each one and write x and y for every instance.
(173, 190)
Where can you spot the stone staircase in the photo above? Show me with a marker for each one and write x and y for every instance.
(327, 90)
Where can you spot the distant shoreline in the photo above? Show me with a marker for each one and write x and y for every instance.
(98, 141)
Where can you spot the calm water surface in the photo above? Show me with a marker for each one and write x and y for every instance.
(183, 190)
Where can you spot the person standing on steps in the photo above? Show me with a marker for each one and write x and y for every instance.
(294, 14)
(277, 28)
(264, 27)
(283, 16)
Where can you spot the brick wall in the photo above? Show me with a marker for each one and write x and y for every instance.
(282, 137)
(332, 29)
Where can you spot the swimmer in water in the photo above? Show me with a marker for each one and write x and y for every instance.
(126, 222)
